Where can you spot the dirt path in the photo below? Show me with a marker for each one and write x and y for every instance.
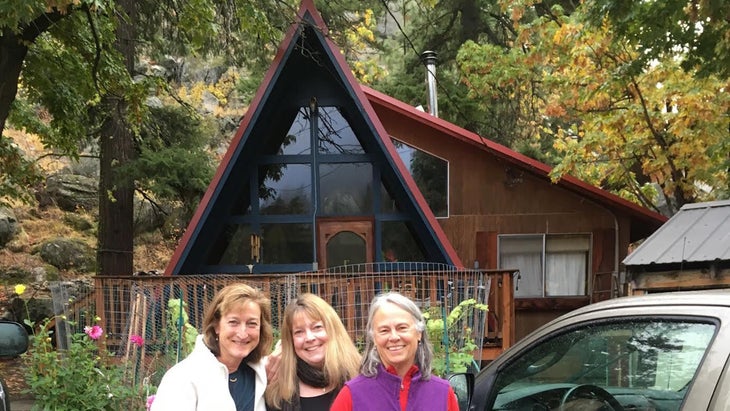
(13, 373)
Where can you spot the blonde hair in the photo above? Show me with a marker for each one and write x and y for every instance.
(341, 361)
(233, 296)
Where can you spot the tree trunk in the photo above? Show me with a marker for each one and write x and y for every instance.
(12, 55)
(13, 50)
(116, 192)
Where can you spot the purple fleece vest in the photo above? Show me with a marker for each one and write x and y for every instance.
(382, 393)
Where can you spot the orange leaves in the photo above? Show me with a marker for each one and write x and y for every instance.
(555, 109)
(614, 119)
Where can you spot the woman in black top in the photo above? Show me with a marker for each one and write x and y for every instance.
(317, 357)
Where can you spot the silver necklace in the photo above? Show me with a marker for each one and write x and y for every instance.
(233, 377)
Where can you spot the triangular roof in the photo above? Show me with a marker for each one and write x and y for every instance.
(307, 64)
(698, 233)
(644, 221)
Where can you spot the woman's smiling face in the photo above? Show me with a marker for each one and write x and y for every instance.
(238, 333)
(310, 339)
(396, 337)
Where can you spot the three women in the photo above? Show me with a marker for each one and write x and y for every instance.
(318, 361)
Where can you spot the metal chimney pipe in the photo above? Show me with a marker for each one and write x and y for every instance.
(429, 59)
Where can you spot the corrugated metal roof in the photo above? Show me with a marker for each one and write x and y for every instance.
(698, 232)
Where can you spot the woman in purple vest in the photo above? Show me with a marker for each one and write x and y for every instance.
(395, 373)
(317, 357)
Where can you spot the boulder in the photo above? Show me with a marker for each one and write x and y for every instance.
(78, 222)
(72, 192)
(68, 253)
(8, 225)
(15, 275)
(147, 217)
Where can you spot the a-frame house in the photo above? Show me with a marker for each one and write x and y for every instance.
(311, 179)
(324, 172)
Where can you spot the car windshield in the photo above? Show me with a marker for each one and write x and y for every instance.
(649, 364)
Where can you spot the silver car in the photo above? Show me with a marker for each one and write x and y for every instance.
(661, 352)
(13, 342)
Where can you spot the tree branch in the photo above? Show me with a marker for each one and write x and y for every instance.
(97, 44)
(42, 23)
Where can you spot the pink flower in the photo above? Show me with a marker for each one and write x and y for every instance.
(150, 399)
(94, 332)
(136, 340)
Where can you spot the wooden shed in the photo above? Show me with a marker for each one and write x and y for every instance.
(690, 251)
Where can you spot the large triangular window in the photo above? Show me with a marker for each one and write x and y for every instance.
(329, 195)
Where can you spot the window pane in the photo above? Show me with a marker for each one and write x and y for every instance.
(520, 244)
(566, 264)
(335, 135)
(286, 189)
(236, 244)
(431, 175)
(647, 364)
(387, 203)
(399, 243)
(530, 266)
(525, 254)
(297, 140)
(346, 189)
(242, 205)
(345, 248)
(286, 243)
(566, 273)
(568, 242)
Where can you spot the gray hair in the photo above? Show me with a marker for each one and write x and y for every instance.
(424, 352)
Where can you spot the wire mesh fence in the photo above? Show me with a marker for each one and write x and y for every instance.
(147, 308)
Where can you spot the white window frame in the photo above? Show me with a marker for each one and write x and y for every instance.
(542, 247)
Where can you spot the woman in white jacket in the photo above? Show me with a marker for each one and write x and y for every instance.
(225, 371)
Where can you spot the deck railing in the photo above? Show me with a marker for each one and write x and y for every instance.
(141, 305)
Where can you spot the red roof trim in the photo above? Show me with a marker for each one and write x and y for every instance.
(510, 155)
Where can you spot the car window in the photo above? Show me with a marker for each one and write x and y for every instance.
(640, 364)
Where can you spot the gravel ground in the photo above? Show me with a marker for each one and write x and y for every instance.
(13, 373)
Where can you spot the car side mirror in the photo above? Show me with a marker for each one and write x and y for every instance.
(13, 339)
(463, 386)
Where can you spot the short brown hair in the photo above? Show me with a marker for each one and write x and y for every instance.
(235, 295)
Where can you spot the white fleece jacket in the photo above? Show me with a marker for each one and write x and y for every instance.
(200, 383)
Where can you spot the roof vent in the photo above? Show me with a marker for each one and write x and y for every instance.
(429, 59)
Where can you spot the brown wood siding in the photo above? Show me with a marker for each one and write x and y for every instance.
(493, 197)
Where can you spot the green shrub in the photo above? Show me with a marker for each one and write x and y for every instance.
(83, 377)
(453, 345)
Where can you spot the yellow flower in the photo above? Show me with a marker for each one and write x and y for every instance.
(19, 289)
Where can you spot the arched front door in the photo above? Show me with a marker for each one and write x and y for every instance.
(345, 243)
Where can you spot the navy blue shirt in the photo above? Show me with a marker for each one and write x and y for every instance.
(242, 385)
